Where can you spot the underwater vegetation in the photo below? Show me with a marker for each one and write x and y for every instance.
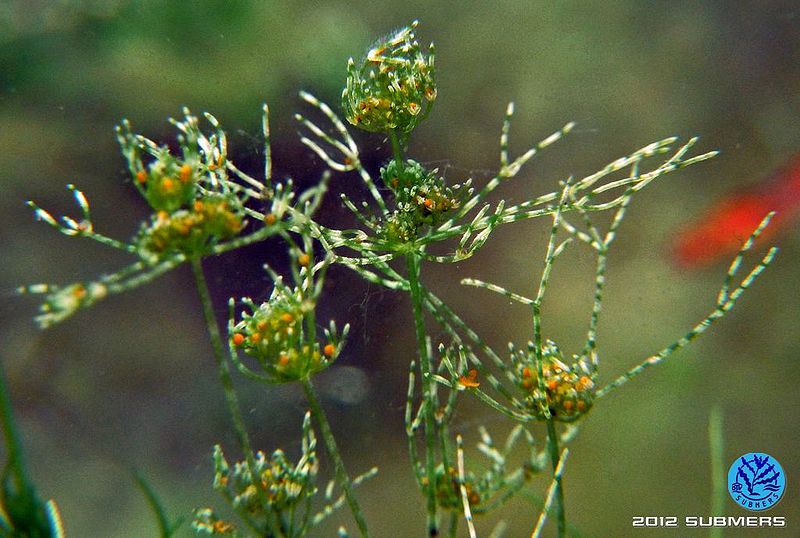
(202, 205)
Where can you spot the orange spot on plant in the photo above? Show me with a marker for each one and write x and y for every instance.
(185, 173)
(304, 259)
(270, 219)
(79, 292)
(222, 527)
(329, 350)
(167, 185)
(238, 339)
(141, 177)
(287, 317)
(470, 380)
(527, 383)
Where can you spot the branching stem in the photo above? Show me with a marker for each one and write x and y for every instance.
(225, 374)
(397, 150)
(333, 451)
(428, 385)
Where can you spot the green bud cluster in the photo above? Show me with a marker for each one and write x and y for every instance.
(285, 483)
(393, 88)
(421, 196)
(190, 231)
(168, 183)
(275, 489)
(569, 390)
(62, 302)
(448, 490)
(207, 522)
(195, 203)
(274, 333)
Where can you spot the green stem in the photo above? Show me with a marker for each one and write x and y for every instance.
(717, 448)
(397, 150)
(165, 528)
(225, 378)
(454, 524)
(333, 451)
(552, 435)
(552, 444)
(428, 386)
(16, 458)
(23, 506)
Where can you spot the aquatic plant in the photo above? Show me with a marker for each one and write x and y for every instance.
(204, 205)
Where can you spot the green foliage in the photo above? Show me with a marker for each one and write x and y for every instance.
(421, 198)
(280, 333)
(204, 205)
(392, 89)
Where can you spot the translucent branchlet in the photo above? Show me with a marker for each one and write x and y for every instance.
(552, 389)
(467, 218)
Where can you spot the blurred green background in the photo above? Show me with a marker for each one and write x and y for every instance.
(130, 383)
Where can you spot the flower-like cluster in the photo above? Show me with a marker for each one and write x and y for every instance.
(496, 481)
(206, 521)
(195, 203)
(266, 492)
(201, 206)
(393, 88)
(62, 302)
(208, 220)
(284, 483)
(448, 489)
(569, 390)
(168, 183)
(279, 335)
(421, 197)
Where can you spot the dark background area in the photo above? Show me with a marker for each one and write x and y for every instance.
(131, 383)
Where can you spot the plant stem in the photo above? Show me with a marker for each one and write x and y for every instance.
(552, 444)
(16, 459)
(453, 524)
(428, 387)
(397, 150)
(552, 435)
(22, 503)
(165, 528)
(716, 441)
(219, 356)
(333, 451)
(225, 377)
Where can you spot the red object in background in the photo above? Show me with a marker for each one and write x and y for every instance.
(727, 224)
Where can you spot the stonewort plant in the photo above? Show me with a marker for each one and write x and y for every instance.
(204, 205)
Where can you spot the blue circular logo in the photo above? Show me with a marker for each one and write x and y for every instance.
(756, 481)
